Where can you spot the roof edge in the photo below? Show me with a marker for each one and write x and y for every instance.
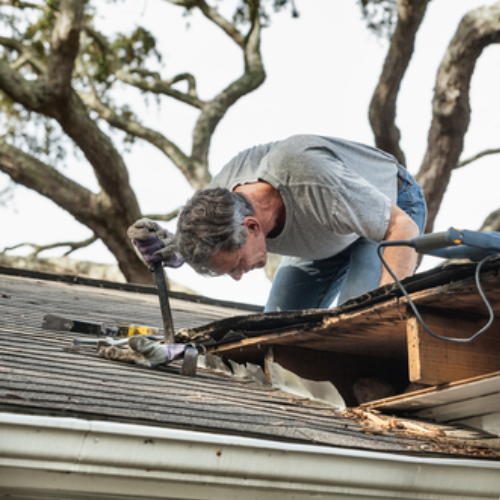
(126, 287)
(103, 458)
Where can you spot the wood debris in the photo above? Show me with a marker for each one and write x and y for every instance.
(430, 437)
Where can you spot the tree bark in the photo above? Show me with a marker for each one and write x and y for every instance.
(492, 222)
(96, 211)
(109, 213)
(451, 108)
(382, 112)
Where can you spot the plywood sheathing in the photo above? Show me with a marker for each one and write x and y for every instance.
(388, 330)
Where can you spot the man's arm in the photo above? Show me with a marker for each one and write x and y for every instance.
(401, 260)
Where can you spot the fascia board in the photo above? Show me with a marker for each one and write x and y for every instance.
(489, 423)
(464, 392)
(100, 458)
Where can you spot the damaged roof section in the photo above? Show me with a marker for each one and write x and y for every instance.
(377, 335)
(450, 287)
(39, 376)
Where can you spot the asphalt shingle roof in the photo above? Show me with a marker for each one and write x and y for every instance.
(39, 375)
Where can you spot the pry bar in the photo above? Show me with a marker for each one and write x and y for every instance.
(166, 313)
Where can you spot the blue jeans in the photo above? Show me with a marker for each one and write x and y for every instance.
(320, 284)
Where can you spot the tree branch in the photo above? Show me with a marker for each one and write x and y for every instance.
(451, 108)
(148, 81)
(477, 157)
(47, 181)
(39, 96)
(25, 5)
(26, 55)
(195, 168)
(382, 112)
(103, 45)
(191, 80)
(73, 117)
(161, 87)
(12, 44)
(26, 92)
(64, 49)
(38, 249)
(214, 16)
(183, 162)
(253, 76)
(492, 222)
(224, 24)
(102, 213)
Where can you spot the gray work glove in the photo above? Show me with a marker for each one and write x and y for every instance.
(153, 244)
(143, 352)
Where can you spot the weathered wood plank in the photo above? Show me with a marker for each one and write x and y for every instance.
(433, 361)
(429, 396)
(378, 331)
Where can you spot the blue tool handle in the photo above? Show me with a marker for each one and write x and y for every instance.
(434, 241)
(462, 252)
(488, 240)
(464, 243)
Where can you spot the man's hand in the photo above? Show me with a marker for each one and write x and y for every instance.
(154, 244)
(401, 260)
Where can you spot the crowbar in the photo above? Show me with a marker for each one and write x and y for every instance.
(166, 313)
(191, 353)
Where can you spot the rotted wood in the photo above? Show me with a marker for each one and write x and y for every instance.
(387, 331)
(433, 361)
(375, 331)
(461, 296)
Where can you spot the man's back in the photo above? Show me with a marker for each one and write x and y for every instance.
(334, 191)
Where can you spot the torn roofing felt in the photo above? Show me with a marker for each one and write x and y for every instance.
(255, 325)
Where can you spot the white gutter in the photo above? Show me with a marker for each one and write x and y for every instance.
(67, 456)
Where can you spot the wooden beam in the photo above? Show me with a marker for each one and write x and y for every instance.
(268, 358)
(252, 342)
(377, 331)
(433, 361)
(432, 395)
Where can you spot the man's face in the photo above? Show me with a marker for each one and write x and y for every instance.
(252, 255)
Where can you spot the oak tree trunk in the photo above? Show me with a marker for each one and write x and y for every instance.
(451, 108)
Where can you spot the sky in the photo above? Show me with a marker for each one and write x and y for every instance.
(321, 69)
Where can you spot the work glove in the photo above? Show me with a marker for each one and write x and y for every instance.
(153, 244)
(144, 352)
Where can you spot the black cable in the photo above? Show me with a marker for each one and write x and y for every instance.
(414, 308)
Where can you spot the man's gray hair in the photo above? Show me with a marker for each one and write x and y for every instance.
(211, 221)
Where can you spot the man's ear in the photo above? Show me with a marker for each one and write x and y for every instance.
(253, 225)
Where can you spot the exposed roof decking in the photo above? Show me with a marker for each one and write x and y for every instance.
(388, 329)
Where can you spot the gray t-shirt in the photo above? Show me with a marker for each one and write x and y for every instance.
(334, 191)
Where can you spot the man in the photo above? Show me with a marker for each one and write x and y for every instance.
(323, 203)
